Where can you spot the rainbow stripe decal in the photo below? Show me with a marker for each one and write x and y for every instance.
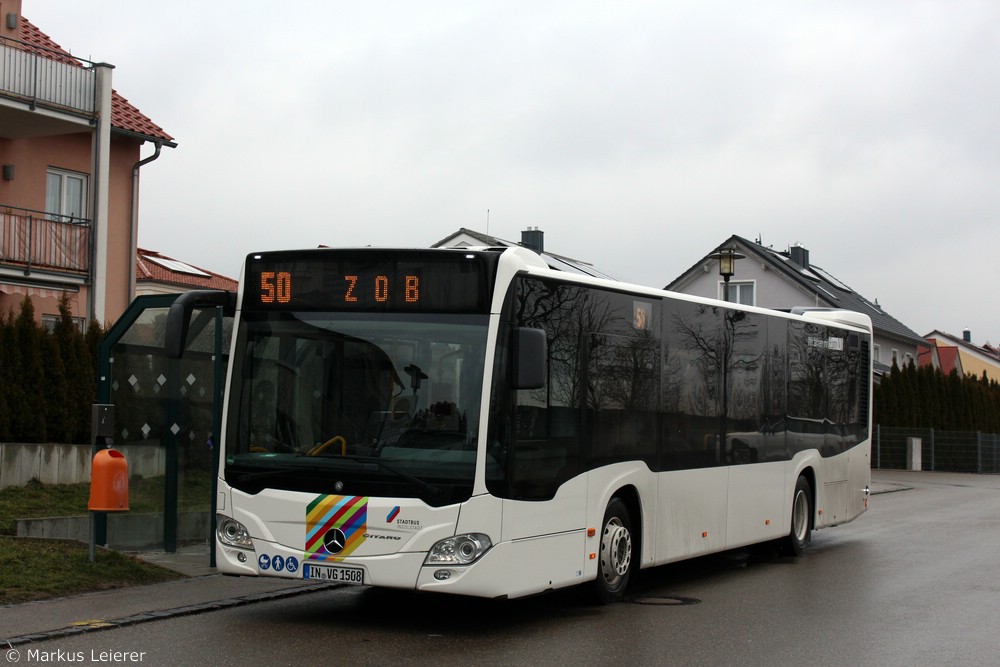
(326, 512)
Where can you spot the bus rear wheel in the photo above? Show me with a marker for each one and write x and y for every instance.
(801, 528)
(616, 556)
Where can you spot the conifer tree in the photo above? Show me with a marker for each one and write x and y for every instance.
(8, 360)
(92, 341)
(929, 406)
(28, 415)
(79, 375)
(993, 409)
(55, 405)
(47, 380)
(944, 405)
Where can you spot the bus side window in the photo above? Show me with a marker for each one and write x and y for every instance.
(624, 385)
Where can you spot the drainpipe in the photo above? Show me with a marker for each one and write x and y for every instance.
(134, 217)
(101, 151)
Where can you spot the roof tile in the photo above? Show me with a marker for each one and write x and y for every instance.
(124, 115)
(147, 270)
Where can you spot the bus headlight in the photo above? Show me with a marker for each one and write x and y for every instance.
(459, 550)
(233, 533)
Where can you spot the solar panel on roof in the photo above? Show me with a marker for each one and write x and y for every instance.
(178, 267)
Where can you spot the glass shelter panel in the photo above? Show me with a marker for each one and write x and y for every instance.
(165, 415)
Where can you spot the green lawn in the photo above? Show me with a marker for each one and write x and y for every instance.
(37, 500)
(36, 569)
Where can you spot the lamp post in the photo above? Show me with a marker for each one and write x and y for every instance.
(727, 266)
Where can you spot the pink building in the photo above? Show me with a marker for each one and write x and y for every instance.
(71, 154)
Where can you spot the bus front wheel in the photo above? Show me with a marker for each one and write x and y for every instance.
(801, 528)
(616, 556)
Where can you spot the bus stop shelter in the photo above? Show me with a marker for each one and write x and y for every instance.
(167, 418)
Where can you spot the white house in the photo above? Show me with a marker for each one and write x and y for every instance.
(782, 280)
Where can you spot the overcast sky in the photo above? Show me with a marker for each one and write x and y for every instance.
(637, 135)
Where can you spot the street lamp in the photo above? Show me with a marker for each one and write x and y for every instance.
(727, 266)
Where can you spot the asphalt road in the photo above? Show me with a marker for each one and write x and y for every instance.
(912, 582)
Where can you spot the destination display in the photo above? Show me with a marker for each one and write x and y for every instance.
(368, 281)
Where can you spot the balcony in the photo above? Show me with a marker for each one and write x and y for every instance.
(44, 86)
(34, 240)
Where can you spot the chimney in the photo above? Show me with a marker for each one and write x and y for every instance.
(9, 27)
(967, 336)
(10, 19)
(533, 239)
(798, 254)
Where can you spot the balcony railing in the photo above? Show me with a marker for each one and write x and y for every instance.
(41, 76)
(37, 240)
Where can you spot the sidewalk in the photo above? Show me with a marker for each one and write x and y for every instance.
(203, 590)
(883, 481)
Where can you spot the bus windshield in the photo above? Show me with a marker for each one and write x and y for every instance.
(356, 404)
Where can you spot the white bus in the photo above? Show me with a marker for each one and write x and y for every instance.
(473, 421)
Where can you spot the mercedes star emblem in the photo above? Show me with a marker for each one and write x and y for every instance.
(334, 541)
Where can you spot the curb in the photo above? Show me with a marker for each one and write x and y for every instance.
(135, 619)
(890, 488)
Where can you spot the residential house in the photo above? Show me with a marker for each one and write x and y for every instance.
(159, 274)
(965, 357)
(782, 280)
(533, 239)
(70, 147)
(942, 357)
(763, 277)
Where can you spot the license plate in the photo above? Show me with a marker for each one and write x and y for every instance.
(344, 575)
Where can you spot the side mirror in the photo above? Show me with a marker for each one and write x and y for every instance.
(179, 316)
(530, 357)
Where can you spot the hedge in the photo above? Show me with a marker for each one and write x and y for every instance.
(911, 397)
(47, 379)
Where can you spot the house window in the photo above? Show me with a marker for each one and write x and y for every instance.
(895, 356)
(877, 353)
(907, 359)
(50, 322)
(65, 195)
(742, 293)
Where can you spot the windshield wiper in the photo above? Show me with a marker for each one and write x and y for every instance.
(246, 477)
(416, 481)
(271, 472)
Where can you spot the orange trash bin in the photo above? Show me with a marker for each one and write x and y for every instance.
(108, 482)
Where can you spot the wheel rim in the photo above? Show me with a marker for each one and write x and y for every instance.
(616, 551)
(800, 517)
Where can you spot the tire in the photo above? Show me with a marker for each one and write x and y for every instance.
(616, 557)
(800, 531)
